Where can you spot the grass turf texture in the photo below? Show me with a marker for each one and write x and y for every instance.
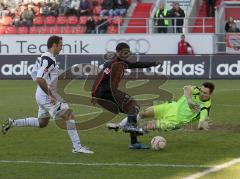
(52, 144)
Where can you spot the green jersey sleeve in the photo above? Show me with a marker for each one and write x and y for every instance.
(203, 115)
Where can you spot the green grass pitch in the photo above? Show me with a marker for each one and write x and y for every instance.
(46, 153)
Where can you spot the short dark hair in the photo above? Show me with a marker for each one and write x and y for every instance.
(121, 46)
(209, 85)
(53, 40)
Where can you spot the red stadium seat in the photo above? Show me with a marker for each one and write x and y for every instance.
(50, 20)
(72, 20)
(67, 30)
(112, 30)
(61, 20)
(38, 20)
(2, 29)
(33, 30)
(83, 20)
(79, 30)
(56, 30)
(44, 30)
(22, 30)
(11, 30)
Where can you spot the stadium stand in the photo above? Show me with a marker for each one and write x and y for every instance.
(52, 17)
(138, 21)
(209, 22)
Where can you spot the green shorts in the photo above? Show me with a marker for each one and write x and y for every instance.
(166, 116)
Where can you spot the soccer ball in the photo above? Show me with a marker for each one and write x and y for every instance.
(158, 143)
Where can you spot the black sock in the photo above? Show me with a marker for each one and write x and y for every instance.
(132, 120)
(133, 137)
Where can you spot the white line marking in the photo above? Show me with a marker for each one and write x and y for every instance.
(106, 164)
(87, 114)
(214, 169)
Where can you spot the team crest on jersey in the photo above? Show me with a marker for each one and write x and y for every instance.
(107, 71)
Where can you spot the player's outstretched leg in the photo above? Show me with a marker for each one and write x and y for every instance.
(30, 121)
(7, 126)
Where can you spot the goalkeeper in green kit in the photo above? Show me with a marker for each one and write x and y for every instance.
(194, 105)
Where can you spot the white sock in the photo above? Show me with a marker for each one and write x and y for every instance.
(73, 134)
(123, 123)
(30, 121)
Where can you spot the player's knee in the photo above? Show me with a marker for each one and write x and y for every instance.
(43, 122)
(67, 115)
(132, 110)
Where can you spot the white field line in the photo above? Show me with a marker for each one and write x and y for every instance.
(87, 114)
(214, 169)
(105, 164)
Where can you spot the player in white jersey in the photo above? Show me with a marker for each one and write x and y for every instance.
(50, 104)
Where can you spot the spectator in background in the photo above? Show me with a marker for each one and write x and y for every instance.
(210, 8)
(54, 6)
(44, 9)
(11, 6)
(90, 26)
(74, 8)
(27, 16)
(229, 24)
(234, 28)
(84, 8)
(16, 18)
(64, 8)
(107, 8)
(120, 7)
(103, 25)
(184, 48)
(178, 14)
(159, 19)
(22, 7)
(3, 7)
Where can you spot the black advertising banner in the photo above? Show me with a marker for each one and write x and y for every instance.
(20, 66)
(172, 67)
(226, 67)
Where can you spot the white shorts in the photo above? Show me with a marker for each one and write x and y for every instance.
(47, 109)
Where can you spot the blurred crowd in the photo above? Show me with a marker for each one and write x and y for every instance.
(23, 12)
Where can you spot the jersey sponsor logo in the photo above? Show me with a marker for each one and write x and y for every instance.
(228, 69)
(23, 68)
(107, 71)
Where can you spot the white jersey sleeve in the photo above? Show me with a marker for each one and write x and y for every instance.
(35, 69)
(46, 65)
